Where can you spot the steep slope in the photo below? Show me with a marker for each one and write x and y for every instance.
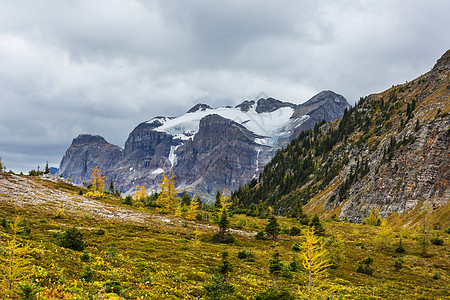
(390, 151)
(206, 148)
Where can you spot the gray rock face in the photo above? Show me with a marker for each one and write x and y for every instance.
(419, 171)
(200, 106)
(222, 154)
(415, 174)
(87, 152)
(207, 152)
(245, 106)
(270, 105)
(326, 105)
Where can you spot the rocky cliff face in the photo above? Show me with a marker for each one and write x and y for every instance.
(206, 148)
(86, 152)
(418, 171)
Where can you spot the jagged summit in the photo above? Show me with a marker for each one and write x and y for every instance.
(88, 138)
(199, 106)
(443, 62)
(270, 104)
(246, 105)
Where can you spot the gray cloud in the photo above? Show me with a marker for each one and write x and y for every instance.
(70, 67)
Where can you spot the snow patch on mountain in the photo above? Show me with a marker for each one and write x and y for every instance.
(264, 124)
(158, 171)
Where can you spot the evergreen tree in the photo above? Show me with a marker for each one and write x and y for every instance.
(218, 288)
(111, 186)
(275, 267)
(223, 236)
(2, 166)
(28, 290)
(224, 223)
(225, 267)
(185, 199)
(272, 228)
(47, 169)
(218, 203)
(317, 226)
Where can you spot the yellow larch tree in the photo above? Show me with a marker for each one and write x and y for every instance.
(97, 180)
(136, 195)
(168, 198)
(143, 193)
(16, 252)
(314, 260)
(193, 208)
(140, 194)
(225, 200)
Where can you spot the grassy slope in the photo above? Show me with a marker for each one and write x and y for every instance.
(156, 259)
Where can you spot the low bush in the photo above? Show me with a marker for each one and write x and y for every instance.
(71, 238)
(273, 294)
(437, 241)
(364, 266)
(246, 255)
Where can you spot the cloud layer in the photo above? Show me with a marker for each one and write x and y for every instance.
(101, 67)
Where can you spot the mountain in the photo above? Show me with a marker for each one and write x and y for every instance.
(207, 149)
(389, 152)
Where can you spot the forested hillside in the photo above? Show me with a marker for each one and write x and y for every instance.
(390, 150)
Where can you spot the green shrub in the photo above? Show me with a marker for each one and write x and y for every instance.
(400, 248)
(100, 231)
(113, 286)
(128, 200)
(295, 231)
(398, 263)
(27, 290)
(436, 276)
(260, 235)
(85, 256)
(224, 238)
(246, 255)
(437, 241)
(217, 289)
(87, 274)
(71, 238)
(364, 266)
(273, 294)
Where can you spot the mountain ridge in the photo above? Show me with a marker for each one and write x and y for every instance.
(256, 128)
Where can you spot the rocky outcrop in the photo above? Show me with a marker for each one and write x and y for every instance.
(200, 106)
(418, 172)
(85, 153)
(270, 105)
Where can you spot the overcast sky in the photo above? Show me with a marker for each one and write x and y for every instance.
(102, 67)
